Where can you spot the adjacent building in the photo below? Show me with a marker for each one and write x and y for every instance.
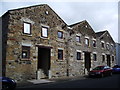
(38, 44)
(118, 53)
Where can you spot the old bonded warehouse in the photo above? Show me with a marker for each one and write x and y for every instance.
(38, 44)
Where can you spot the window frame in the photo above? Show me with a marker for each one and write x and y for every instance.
(79, 41)
(59, 56)
(103, 58)
(103, 44)
(77, 54)
(26, 49)
(88, 42)
(94, 43)
(108, 46)
(61, 34)
(42, 30)
(113, 58)
(29, 28)
(94, 56)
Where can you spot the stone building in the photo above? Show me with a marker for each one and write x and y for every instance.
(117, 53)
(38, 44)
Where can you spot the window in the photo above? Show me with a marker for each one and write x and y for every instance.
(108, 47)
(27, 28)
(78, 39)
(60, 54)
(60, 34)
(103, 58)
(112, 47)
(94, 57)
(78, 56)
(94, 43)
(103, 45)
(25, 52)
(44, 32)
(87, 41)
(112, 58)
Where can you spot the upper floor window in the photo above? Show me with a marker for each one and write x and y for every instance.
(27, 28)
(44, 32)
(25, 52)
(94, 43)
(103, 44)
(112, 47)
(87, 41)
(60, 54)
(78, 56)
(60, 34)
(107, 46)
(78, 39)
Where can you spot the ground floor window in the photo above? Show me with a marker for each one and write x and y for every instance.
(94, 57)
(103, 58)
(60, 54)
(78, 56)
(112, 58)
(25, 52)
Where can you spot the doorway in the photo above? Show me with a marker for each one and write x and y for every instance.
(44, 62)
(108, 61)
(87, 61)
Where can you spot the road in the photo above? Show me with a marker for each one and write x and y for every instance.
(106, 82)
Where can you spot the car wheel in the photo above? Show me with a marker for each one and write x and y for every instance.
(111, 74)
(102, 75)
(5, 87)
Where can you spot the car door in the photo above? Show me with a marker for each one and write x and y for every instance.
(105, 71)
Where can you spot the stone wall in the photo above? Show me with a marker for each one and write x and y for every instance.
(43, 15)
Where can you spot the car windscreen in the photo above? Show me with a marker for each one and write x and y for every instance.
(98, 68)
(116, 66)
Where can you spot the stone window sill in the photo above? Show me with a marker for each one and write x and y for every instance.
(25, 59)
(46, 38)
(60, 40)
(77, 43)
(29, 35)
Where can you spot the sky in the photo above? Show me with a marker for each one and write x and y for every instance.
(100, 14)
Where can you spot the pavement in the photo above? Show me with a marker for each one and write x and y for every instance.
(45, 81)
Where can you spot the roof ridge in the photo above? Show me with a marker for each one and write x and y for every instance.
(77, 23)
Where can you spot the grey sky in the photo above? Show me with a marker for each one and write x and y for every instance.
(100, 15)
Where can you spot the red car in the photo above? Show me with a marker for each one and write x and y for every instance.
(100, 71)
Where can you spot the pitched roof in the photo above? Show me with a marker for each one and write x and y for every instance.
(77, 23)
(98, 34)
(40, 5)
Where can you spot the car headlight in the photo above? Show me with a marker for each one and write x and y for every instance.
(13, 80)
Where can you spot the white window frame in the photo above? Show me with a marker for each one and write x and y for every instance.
(95, 43)
(27, 28)
(44, 32)
(108, 46)
(62, 54)
(80, 53)
(101, 44)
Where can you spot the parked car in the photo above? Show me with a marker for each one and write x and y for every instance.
(116, 69)
(100, 71)
(8, 83)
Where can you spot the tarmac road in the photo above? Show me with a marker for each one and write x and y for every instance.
(105, 82)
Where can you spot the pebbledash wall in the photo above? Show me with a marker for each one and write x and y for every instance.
(37, 44)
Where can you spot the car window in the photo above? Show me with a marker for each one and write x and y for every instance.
(116, 66)
(106, 67)
(98, 68)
